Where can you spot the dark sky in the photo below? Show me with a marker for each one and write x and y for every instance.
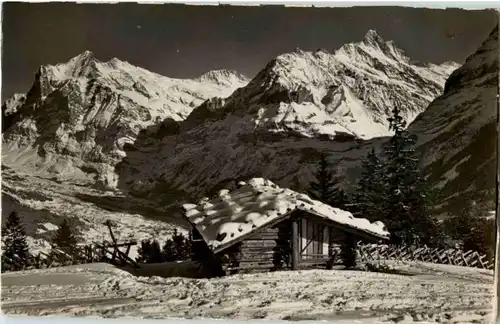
(186, 41)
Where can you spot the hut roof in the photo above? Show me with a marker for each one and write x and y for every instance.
(258, 203)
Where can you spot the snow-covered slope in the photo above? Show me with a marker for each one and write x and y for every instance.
(430, 294)
(457, 132)
(165, 140)
(9, 109)
(350, 91)
(43, 204)
(85, 120)
(78, 116)
(299, 105)
(12, 104)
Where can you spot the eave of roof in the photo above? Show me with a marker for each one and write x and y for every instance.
(234, 216)
(351, 229)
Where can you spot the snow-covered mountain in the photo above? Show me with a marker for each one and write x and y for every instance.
(80, 118)
(9, 109)
(457, 132)
(77, 116)
(158, 139)
(83, 118)
(351, 91)
(299, 105)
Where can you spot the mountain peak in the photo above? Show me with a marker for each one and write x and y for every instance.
(371, 44)
(224, 72)
(80, 65)
(221, 76)
(84, 58)
(87, 53)
(373, 38)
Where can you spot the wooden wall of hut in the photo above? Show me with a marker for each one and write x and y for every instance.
(266, 250)
(270, 248)
(319, 243)
(201, 253)
(198, 246)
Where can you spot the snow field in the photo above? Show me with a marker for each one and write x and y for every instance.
(300, 295)
(43, 204)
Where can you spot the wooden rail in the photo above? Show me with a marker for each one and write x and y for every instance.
(372, 252)
(96, 252)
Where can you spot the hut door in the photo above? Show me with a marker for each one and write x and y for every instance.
(314, 240)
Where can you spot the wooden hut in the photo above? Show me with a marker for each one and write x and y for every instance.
(262, 226)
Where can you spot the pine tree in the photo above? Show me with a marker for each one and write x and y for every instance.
(483, 237)
(370, 195)
(340, 199)
(150, 252)
(407, 216)
(142, 251)
(183, 246)
(474, 231)
(66, 238)
(170, 251)
(14, 244)
(323, 188)
(431, 230)
(177, 248)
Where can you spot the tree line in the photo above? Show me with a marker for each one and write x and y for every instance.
(177, 248)
(15, 248)
(16, 254)
(392, 189)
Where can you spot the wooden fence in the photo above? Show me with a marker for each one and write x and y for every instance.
(96, 252)
(110, 252)
(58, 257)
(378, 252)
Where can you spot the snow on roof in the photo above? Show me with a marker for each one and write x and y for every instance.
(258, 203)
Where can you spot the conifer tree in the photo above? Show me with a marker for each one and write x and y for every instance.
(407, 217)
(348, 251)
(183, 246)
(150, 252)
(170, 251)
(370, 195)
(431, 230)
(472, 229)
(14, 244)
(177, 248)
(341, 199)
(66, 238)
(482, 238)
(323, 188)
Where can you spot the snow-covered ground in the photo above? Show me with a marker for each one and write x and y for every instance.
(44, 203)
(432, 293)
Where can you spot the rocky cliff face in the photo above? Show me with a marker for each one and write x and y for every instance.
(78, 116)
(351, 91)
(153, 141)
(299, 105)
(86, 120)
(457, 132)
(10, 108)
